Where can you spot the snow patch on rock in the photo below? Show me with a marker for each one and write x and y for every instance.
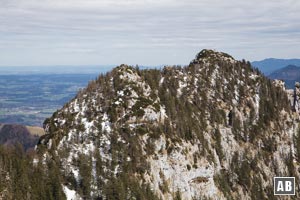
(70, 194)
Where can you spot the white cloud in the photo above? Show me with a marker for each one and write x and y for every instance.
(144, 31)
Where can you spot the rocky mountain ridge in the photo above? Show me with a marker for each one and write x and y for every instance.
(215, 129)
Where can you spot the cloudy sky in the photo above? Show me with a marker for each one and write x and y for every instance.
(145, 32)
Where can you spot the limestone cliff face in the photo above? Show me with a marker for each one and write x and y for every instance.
(215, 129)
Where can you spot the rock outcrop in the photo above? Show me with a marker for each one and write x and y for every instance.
(215, 129)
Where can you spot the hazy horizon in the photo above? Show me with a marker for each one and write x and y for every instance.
(63, 69)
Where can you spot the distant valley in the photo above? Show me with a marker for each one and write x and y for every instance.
(29, 99)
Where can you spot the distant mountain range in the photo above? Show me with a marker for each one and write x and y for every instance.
(289, 74)
(267, 66)
(27, 136)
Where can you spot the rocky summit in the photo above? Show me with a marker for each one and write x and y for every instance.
(214, 129)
